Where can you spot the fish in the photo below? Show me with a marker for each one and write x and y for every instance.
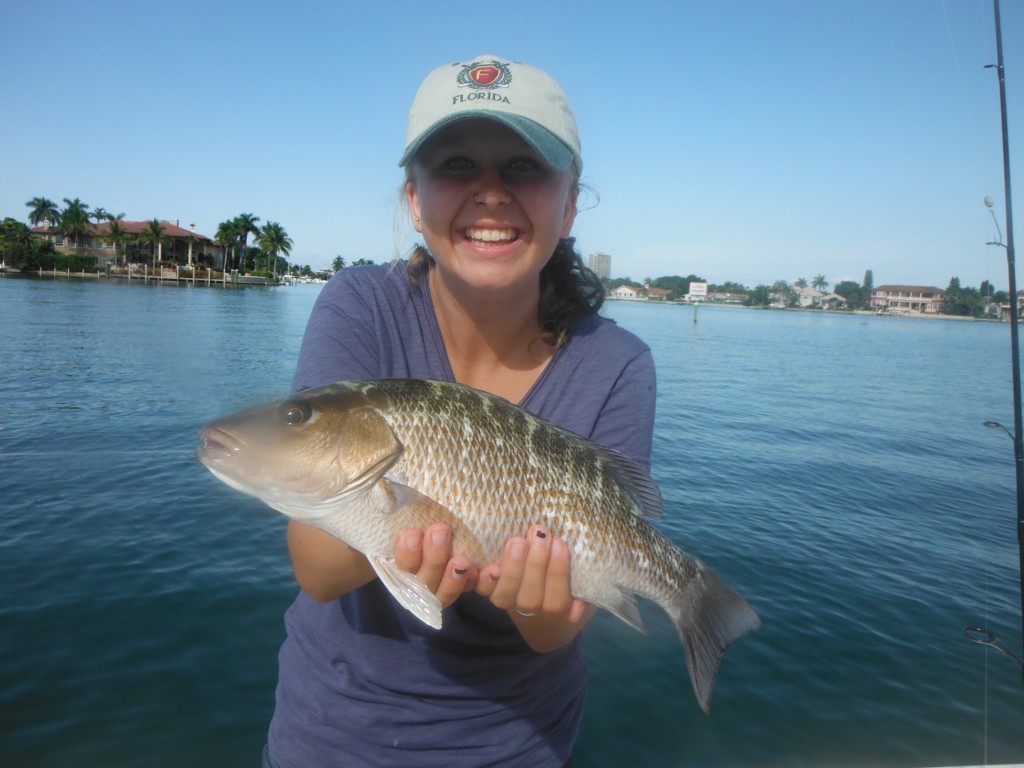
(364, 460)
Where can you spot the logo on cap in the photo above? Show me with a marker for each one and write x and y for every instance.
(484, 74)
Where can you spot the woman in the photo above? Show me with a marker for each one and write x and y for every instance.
(498, 300)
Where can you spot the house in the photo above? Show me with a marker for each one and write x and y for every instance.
(808, 297)
(627, 292)
(904, 299)
(658, 294)
(184, 246)
(832, 301)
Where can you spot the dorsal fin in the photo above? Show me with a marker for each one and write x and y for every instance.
(635, 479)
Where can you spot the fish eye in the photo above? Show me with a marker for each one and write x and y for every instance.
(294, 412)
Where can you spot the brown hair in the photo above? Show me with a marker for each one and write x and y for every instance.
(569, 289)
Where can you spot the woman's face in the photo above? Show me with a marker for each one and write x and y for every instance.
(489, 207)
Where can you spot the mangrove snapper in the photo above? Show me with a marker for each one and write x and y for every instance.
(363, 460)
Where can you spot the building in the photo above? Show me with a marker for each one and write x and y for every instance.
(627, 292)
(698, 292)
(601, 264)
(905, 299)
(184, 246)
(658, 294)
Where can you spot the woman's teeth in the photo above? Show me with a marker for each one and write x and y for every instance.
(492, 235)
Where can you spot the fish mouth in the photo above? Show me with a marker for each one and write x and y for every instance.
(218, 447)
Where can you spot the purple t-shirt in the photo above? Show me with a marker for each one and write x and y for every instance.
(364, 682)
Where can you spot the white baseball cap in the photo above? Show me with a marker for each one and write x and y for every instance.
(519, 96)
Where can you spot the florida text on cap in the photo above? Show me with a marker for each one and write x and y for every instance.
(522, 97)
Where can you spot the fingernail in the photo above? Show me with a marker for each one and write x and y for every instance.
(459, 571)
(540, 534)
(494, 578)
(440, 538)
(557, 547)
(412, 541)
(518, 550)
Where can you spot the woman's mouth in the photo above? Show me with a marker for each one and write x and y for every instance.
(480, 236)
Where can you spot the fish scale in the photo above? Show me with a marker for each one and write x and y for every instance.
(364, 460)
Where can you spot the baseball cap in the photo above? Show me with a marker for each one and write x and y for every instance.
(519, 96)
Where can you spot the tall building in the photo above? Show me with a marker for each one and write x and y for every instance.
(601, 264)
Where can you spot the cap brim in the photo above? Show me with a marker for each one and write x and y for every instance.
(550, 147)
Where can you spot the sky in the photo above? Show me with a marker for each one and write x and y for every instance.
(738, 140)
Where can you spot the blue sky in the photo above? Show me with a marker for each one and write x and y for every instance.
(744, 140)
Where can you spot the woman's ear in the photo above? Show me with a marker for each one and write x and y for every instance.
(413, 199)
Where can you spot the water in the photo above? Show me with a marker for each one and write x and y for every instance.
(833, 468)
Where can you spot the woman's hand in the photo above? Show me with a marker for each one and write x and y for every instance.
(428, 554)
(532, 583)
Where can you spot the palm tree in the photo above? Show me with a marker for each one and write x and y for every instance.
(115, 236)
(227, 235)
(800, 282)
(100, 214)
(273, 240)
(245, 225)
(74, 219)
(820, 283)
(338, 263)
(154, 233)
(42, 210)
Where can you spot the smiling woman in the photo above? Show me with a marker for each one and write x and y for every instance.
(498, 299)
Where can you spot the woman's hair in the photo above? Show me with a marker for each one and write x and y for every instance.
(569, 289)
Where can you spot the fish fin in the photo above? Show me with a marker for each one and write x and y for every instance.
(408, 590)
(637, 481)
(413, 509)
(710, 616)
(626, 608)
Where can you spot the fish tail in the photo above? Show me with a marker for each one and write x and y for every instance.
(709, 616)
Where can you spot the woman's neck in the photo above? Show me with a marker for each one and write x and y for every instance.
(494, 340)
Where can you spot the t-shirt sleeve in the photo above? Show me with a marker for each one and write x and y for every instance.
(341, 340)
(626, 420)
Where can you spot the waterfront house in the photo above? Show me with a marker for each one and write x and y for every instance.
(658, 294)
(183, 246)
(907, 299)
(627, 292)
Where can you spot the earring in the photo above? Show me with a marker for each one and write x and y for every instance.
(415, 218)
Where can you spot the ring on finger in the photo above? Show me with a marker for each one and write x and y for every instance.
(527, 614)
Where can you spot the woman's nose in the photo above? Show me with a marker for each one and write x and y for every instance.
(491, 189)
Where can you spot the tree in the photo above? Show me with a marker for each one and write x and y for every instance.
(338, 264)
(964, 302)
(116, 235)
(19, 249)
(154, 233)
(800, 282)
(362, 263)
(761, 296)
(227, 235)
(869, 282)
(852, 292)
(100, 214)
(245, 225)
(272, 241)
(74, 219)
(42, 211)
(820, 283)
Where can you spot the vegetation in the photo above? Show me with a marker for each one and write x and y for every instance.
(20, 250)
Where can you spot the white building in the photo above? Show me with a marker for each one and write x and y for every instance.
(601, 264)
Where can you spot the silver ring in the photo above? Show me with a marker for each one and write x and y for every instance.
(527, 614)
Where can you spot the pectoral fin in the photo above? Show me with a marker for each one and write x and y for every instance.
(408, 590)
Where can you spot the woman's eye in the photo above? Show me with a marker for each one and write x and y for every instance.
(456, 164)
(527, 166)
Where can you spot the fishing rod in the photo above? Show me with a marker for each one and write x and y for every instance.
(1017, 434)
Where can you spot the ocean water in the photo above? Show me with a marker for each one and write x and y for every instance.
(834, 469)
